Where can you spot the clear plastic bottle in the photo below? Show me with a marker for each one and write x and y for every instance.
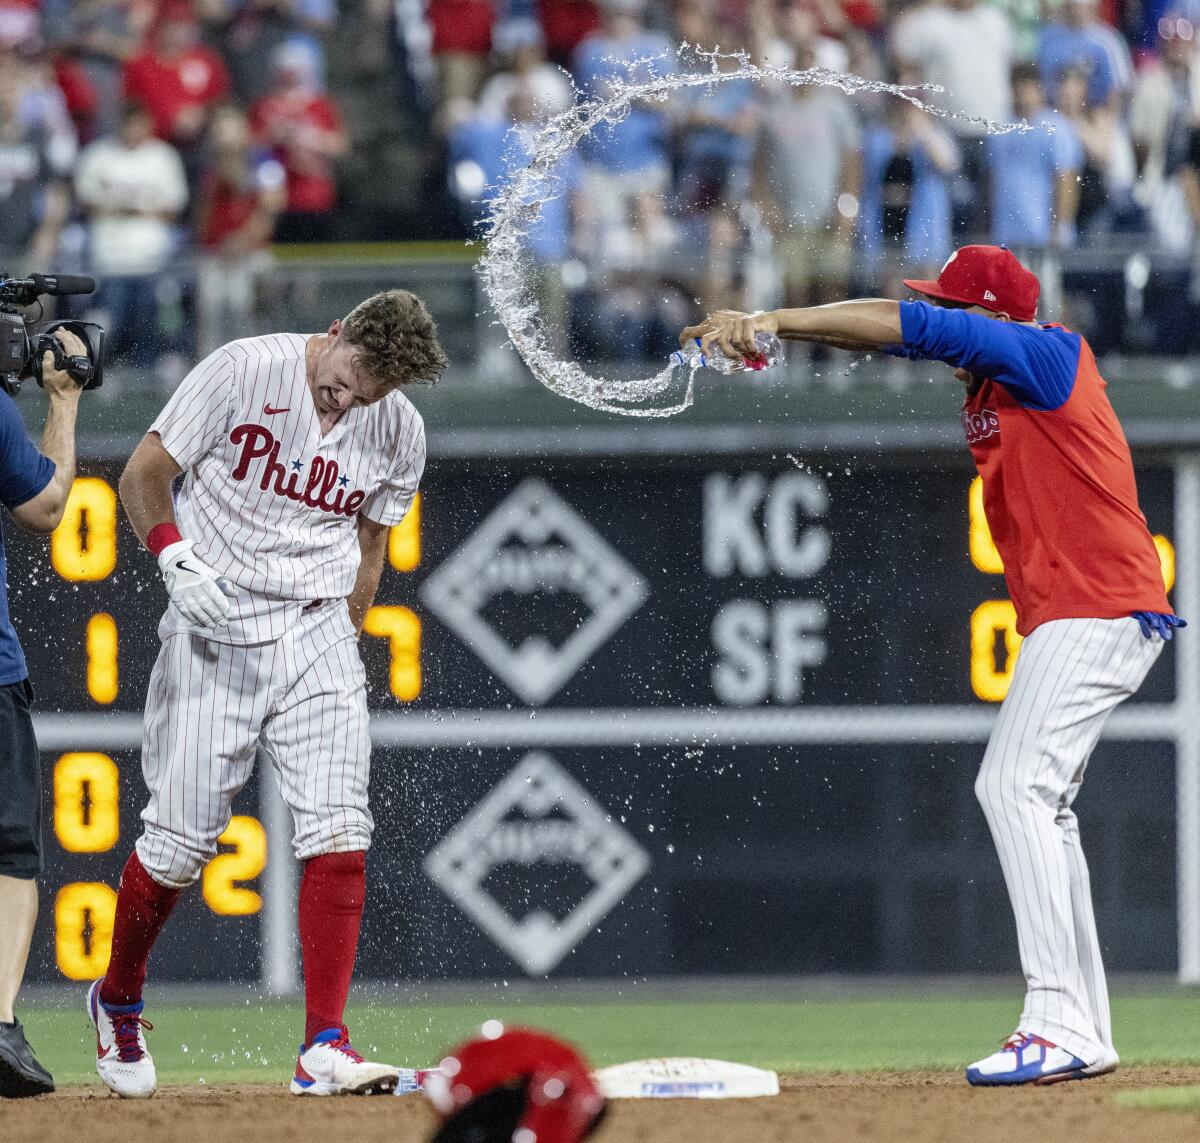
(770, 350)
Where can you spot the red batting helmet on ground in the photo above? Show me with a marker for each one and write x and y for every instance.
(514, 1086)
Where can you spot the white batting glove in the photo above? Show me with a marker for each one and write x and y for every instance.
(199, 596)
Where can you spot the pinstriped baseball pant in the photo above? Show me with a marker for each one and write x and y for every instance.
(1070, 675)
(211, 705)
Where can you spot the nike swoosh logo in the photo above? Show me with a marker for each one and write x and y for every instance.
(271, 412)
(103, 1052)
(184, 567)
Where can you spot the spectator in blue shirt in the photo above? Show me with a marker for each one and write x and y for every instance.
(906, 213)
(34, 487)
(1080, 40)
(552, 232)
(475, 146)
(626, 159)
(717, 127)
(484, 153)
(716, 131)
(1034, 174)
(609, 54)
(549, 236)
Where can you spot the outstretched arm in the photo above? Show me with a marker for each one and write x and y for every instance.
(1037, 366)
(866, 324)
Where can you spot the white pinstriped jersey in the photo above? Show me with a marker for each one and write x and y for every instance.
(270, 503)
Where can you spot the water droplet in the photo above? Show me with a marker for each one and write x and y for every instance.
(507, 272)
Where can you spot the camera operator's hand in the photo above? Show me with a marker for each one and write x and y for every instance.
(58, 382)
(193, 586)
(44, 512)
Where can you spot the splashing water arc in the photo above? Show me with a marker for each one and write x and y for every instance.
(504, 268)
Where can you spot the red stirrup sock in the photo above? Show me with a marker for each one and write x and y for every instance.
(332, 891)
(143, 906)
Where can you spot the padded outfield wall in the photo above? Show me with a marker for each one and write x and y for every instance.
(696, 697)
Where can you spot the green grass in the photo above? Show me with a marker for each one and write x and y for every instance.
(246, 1042)
(1161, 1098)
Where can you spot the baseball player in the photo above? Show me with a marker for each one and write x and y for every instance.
(1085, 579)
(298, 452)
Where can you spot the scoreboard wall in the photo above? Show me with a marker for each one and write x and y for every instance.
(734, 586)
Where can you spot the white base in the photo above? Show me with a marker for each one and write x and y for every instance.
(686, 1078)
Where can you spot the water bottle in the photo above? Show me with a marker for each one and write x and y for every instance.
(770, 350)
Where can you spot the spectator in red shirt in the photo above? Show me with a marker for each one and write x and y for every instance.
(242, 192)
(78, 93)
(462, 40)
(20, 22)
(566, 24)
(242, 189)
(100, 37)
(250, 32)
(304, 129)
(176, 78)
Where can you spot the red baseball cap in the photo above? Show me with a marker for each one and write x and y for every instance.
(988, 276)
(514, 1085)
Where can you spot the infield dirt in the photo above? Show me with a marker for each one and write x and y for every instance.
(908, 1107)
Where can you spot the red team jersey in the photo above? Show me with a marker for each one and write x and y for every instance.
(310, 183)
(168, 87)
(1058, 484)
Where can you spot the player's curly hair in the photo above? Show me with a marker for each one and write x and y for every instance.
(396, 339)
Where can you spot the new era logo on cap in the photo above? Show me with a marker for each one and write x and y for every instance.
(988, 276)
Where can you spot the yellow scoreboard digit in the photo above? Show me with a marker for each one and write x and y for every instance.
(85, 803)
(83, 926)
(103, 675)
(84, 545)
(244, 861)
(402, 629)
(1166, 560)
(404, 539)
(994, 647)
(983, 549)
(401, 626)
(994, 638)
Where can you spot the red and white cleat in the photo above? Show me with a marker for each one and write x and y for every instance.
(1025, 1058)
(122, 1061)
(330, 1066)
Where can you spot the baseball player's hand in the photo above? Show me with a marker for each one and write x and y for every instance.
(1154, 623)
(731, 331)
(198, 595)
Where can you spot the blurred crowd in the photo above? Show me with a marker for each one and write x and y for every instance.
(830, 191)
(143, 138)
(134, 133)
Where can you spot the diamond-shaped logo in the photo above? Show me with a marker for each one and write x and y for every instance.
(540, 842)
(534, 591)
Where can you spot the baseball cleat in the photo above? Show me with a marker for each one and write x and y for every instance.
(1025, 1058)
(330, 1066)
(122, 1061)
